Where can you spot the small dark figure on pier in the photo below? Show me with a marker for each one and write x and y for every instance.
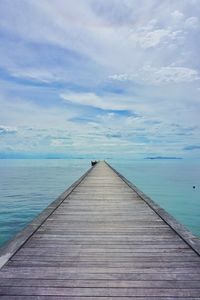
(93, 162)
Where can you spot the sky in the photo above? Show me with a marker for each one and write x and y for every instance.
(103, 79)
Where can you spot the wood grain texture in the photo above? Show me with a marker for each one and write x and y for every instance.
(101, 240)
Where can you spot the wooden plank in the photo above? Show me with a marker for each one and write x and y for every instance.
(21, 297)
(55, 273)
(103, 270)
(158, 253)
(97, 292)
(79, 249)
(105, 265)
(99, 283)
(108, 258)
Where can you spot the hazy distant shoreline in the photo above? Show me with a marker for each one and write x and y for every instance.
(163, 157)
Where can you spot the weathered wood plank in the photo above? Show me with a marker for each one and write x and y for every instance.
(108, 258)
(176, 253)
(99, 283)
(79, 249)
(21, 297)
(41, 273)
(97, 292)
(103, 270)
(105, 265)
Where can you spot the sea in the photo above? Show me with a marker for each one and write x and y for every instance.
(27, 186)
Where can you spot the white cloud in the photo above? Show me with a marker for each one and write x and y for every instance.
(58, 143)
(171, 74)
(37, 75)
(50, 129)
(108, 101)
(186, 22)
(7, 129)
(177, 15)
(192, 23)
(77, 26)
(154, 63)
(149, 39)
(162, 75)
(90, 99)
(121, 77)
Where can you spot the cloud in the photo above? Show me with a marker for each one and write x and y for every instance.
(192, 147)
(146, 38)
(55, 83)
(89, 99)
(162, 75)
(192, 23)
(177, 15)
(173, 74)
(37, 75)
(58, 143)
(7, 130)
(106, 101)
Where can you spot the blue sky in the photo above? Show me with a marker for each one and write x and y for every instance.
(100, 78)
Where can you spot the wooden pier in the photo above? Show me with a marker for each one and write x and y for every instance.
(102, 239)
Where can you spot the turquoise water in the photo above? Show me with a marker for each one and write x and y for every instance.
(170, 184)
(28, 186)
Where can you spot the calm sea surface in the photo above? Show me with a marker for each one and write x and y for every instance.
(170, 184)
(28, 186)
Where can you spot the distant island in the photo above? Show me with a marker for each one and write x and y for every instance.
(163, 157)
